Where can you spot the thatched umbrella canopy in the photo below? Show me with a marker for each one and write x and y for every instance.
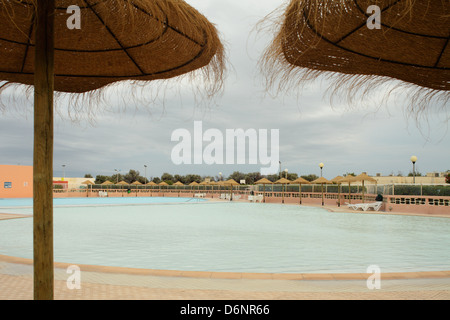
(283, 182)
(322, 181)
(231, 183)
(105, 41)
(338, 38)
(117, 40)
(300, 181)
(136, 183)
(151, 183)
(121, 184)
(337, 179)
(107, 183)
(204, 183)
(193, 184)
(88, 183)
(178, 184)
(162, 184)
(364, 177)
(264, 181)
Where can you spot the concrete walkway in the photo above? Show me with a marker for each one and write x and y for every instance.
(16, 283)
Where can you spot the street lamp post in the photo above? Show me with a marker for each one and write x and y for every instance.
(64, 172)
(279, 162)
(413, 160)
(321, 167)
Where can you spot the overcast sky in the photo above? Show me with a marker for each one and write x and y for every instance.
(311, 130)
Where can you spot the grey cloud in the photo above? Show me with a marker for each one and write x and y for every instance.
(127, 135)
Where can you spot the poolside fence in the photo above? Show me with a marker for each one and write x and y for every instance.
(424, 199)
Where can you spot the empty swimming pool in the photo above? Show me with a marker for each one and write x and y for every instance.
(236, 237)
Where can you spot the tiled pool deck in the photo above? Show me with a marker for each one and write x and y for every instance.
(106, 283)
(98, 283)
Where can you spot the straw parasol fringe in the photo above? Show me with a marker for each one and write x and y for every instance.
(300, 181)
(322, 181)
(264, 181)
(115, 58)
(317, 39)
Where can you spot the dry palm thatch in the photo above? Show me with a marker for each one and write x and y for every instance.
(231, 182)
(133, 40)
(332, 38)
(283, 181)
(263, 181)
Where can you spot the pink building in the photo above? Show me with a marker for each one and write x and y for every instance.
(16, 181)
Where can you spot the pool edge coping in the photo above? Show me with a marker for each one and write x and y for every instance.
(237, 275)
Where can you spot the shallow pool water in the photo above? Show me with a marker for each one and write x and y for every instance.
(237, 237)
(85, 201)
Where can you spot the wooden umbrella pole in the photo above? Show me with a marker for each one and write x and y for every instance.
(43, 152)
(363, 191)
(264, 193)
(300, 192)
(322, 194)
(339, 195)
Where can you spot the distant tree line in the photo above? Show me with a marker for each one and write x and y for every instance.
(250, 178)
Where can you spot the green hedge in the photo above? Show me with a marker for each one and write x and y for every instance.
(405, 190)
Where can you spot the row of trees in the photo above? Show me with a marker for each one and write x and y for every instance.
(134, 175)
(250, 178)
